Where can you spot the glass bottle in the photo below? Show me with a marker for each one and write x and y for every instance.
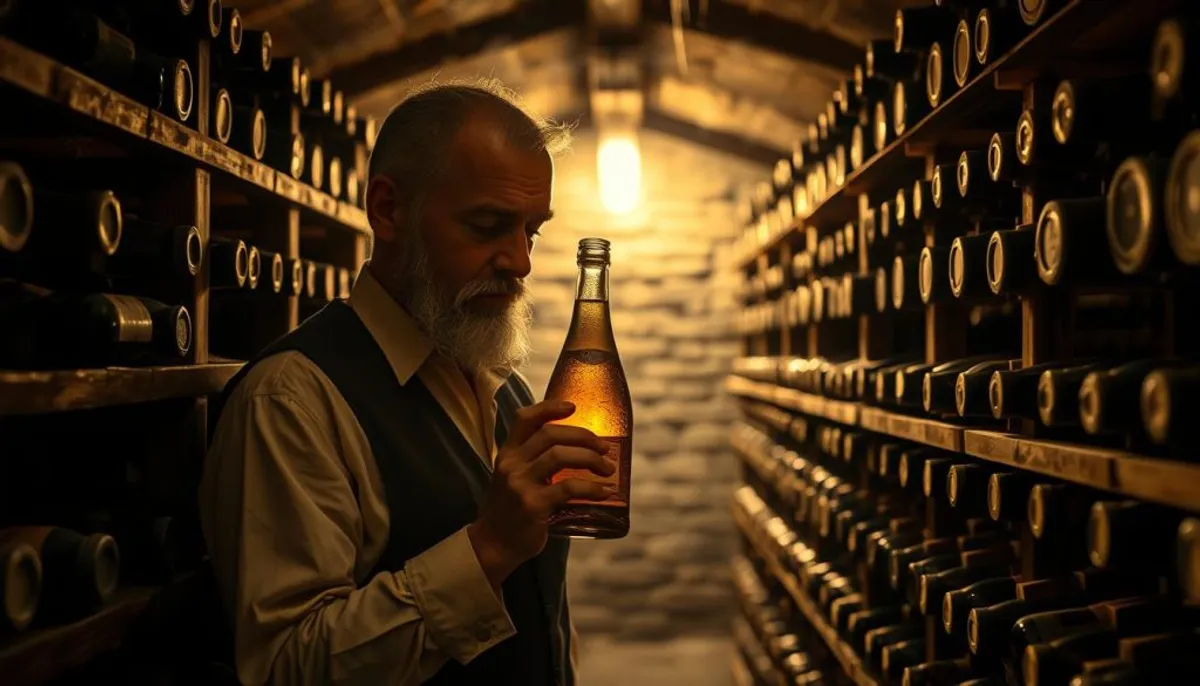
(589, 374)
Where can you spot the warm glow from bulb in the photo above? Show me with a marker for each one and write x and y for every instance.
(619, 167)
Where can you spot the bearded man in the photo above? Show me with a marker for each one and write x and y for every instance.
(376, 495)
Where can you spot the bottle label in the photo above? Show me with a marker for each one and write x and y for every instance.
(618, 456)
(134, 324)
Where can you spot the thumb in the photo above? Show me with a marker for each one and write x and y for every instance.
(530, 419)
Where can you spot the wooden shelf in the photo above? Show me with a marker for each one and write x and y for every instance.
(45, 78)
(916, 429)
(39, 655)
(1073, 24)
(792, 399)
(1168, 482)
(36, 392)
(845, 655)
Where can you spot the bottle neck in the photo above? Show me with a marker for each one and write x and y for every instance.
(593, 281)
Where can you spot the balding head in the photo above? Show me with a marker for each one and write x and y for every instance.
(413, 145)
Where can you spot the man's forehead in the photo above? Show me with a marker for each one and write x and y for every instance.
(485, 142)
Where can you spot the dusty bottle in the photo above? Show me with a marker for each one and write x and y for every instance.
(589, 374)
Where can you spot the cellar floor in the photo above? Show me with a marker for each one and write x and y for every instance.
(701, 661)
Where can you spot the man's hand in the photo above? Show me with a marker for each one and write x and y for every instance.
(513, 522)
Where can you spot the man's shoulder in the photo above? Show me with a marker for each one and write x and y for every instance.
(288, 373)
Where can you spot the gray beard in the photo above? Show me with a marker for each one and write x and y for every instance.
(474, 340)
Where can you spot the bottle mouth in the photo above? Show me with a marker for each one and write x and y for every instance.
(105, 561)
(996, 157)
(962, 53)
(183, 90)
(316, 167)
(593, 250)
(303, 84)
(241, 263)
(258, 134)
(1167, 60)
(983, 35)
(109, 221)
(223, 116)
(996, 394)
(266, 50)
(1049, 245)
(296, 167)
(183, 331)
(253, 267)
(235, 31)
(23, 584)
(214, 18)
(16, 207)
(1062, 113)
(1026, 138)
(933, 75)
(1046, 399)
(193, 251)
(335, 177)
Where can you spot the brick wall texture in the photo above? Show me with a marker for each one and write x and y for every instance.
(671, 288)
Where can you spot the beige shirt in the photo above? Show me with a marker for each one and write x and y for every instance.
(294, 514)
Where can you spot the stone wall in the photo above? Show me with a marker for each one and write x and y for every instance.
(671, 289)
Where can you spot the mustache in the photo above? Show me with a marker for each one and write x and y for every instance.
(499, 286)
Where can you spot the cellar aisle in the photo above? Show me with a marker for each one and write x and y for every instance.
(692, 661)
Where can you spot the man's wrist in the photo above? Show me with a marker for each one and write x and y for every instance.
(496, 562)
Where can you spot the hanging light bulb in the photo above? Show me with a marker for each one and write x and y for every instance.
(619, 169)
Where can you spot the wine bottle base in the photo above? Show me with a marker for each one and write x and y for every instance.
(591, 522)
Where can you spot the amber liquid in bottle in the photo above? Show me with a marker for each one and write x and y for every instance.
(589, 374)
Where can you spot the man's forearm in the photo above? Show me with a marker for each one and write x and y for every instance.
(398, 628)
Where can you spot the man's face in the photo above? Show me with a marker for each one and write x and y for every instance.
(479, 222)
(459, 264)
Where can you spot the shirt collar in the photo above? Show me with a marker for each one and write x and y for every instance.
(404, 345)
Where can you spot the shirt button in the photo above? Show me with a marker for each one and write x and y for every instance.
(483, 633)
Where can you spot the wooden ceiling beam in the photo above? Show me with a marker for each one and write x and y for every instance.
(721, 141)
(531, 19)
(731, 22)
(654, 119)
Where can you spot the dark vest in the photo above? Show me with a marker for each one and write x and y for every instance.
(434, 481)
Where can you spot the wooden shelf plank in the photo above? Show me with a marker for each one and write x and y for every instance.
(45, 78)
(792, 399)
(845, 655)
(1063, 28)
(1173, 483)
(39, 655)
(916, 429)
(1167, 482)
(37, 392)
(99, 102)
(1081, 464)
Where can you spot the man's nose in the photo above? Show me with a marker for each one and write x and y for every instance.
(513, 256)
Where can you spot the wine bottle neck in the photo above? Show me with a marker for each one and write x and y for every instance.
(593, 281)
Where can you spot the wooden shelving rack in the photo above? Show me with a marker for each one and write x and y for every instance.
(1078, 38)
(178, 174)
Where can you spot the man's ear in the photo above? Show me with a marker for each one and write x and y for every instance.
(381, 207)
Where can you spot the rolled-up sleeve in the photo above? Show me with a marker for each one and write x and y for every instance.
(284, 529)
